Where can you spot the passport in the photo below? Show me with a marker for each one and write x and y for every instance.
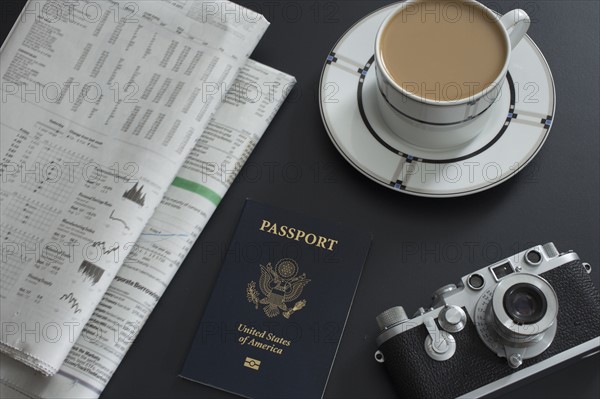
(276, 315)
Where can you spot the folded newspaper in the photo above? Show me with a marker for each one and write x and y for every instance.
(123, 124)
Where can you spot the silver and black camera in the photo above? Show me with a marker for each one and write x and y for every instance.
(496, 327)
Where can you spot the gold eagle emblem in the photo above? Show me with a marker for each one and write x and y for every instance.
(279, 285)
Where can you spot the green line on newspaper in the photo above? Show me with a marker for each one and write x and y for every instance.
(197, 188)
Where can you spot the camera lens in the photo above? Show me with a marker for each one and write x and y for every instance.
(521, 315)
(525, 303)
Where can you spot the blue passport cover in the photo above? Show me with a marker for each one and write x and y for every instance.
(275, 318)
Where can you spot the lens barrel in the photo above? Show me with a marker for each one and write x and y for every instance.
(523, 307)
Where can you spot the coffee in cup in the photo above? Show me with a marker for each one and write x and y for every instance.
(442, 64)
(443, 50)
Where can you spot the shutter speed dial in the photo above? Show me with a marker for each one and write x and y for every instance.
(452, 318)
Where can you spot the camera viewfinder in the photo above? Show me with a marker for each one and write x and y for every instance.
(502, 270)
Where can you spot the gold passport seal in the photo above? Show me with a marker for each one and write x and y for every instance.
(252, 363)
(278, 286)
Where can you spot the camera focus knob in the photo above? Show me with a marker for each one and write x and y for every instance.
(390, 317)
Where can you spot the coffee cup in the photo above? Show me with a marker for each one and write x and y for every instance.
(441, 65)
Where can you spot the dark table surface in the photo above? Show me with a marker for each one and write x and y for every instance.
(555, 199)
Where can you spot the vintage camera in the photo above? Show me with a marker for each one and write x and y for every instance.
(498, 326)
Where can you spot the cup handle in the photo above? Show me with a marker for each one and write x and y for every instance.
(516, 23)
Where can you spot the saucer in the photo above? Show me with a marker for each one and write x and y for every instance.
(515, 128)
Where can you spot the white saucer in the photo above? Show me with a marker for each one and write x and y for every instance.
(516, 128)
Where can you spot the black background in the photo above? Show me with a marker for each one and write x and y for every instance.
(556, 198)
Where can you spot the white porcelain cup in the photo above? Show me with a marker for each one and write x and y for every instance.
(444, 124)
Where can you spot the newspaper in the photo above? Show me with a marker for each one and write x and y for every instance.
(182, 214)
(99, 113)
